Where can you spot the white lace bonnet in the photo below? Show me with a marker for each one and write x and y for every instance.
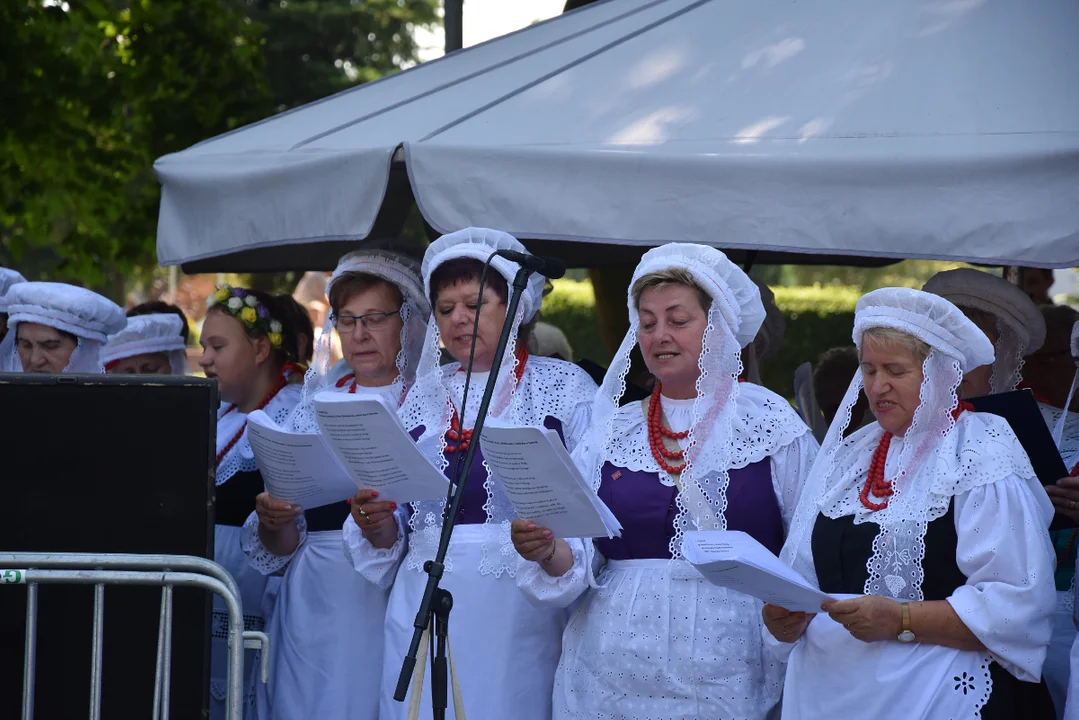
(152, 333)
(925, 476)
(734, 318)
(83, 313)
(1020, 324)
(478, 244)
(8, 279)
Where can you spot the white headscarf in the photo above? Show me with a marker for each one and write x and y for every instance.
(429, 403)
(147, 334)
(547, 340)
(733, 425)
(83, 313)
(8, 278)
(1020, 324)
(938, 458)
(403, 273)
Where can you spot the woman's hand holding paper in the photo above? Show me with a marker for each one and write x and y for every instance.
(275, 514)
(531, 542)
(784, 625)
(375, 518)
(869, 618)
(538, 544)
(277, 524)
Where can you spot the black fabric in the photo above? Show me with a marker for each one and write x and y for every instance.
(327, 517)
(235, 498)
(841, 552)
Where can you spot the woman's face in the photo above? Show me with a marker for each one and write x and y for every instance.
(976, 383)
(230, 356)
(370, 346)
(671, 334)
(43, 349)
(455, 313)
(892, 376)
(145, 364)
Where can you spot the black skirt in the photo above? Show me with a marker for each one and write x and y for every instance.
(841, 552)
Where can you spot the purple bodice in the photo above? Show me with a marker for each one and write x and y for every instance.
(475, 495)
(647, 510)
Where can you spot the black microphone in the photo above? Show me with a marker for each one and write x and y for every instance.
(545, 265)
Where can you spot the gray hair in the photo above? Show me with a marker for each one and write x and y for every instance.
(890, 338)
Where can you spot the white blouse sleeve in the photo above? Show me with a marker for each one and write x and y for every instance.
(377, 565)
(545, 590)
(790, 467)
(258, 556)
(1005, 552)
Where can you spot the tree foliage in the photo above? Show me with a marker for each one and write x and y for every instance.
(315, 48)
(94, 90)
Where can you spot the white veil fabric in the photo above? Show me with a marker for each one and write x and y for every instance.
(1020, 324)
(732, 424)
(1058, 429)
(8, 278)
(938, 458)
(429, 404)
(83, 313)
(147, 334)
(402, 272)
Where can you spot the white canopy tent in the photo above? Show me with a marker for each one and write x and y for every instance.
(943, 129)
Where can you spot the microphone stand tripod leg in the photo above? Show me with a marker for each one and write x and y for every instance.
(440, 616)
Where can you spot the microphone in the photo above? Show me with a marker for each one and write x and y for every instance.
(545, 265)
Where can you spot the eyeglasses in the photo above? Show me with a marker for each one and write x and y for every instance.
(370, 321)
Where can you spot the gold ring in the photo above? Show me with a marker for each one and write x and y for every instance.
(363, 512)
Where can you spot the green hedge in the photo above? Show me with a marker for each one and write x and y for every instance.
(818, 317)
(571, 307)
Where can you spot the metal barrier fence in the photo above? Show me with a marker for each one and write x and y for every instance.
(167, 571)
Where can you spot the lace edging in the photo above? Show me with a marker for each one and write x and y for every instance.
(258, 556)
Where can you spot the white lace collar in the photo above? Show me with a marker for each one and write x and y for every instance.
(240, 457)
(981, 449)
(763, 424)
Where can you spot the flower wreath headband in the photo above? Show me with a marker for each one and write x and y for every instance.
(247, 308)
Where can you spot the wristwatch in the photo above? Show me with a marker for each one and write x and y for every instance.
(907, 635)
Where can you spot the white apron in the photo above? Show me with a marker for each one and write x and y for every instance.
(253, 587)
(929, 682)
(1058, 658)
(326, 638)
(683, 647)
(505, 649)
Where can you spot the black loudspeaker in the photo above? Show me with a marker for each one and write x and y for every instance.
(107, 464)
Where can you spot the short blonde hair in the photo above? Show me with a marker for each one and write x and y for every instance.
(667, 278)
(891, 338)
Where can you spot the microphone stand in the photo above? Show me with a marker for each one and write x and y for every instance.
(436, 603)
